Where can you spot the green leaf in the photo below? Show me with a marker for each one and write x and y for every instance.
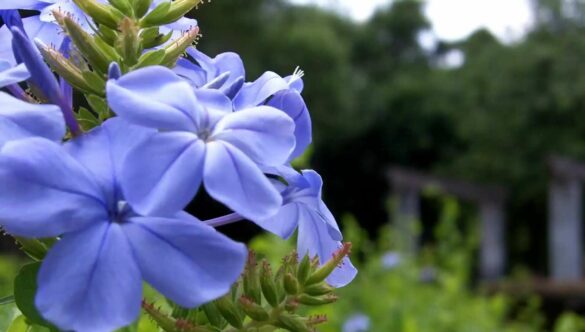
(151, 58)
(99, 106)
(7, 300)
(87, 120)
(25, 288)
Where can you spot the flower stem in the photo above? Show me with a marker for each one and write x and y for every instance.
(224, 220)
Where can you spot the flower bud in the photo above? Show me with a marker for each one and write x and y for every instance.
(250, 279)
(213, 315)
(292, 323)
(317, 300)
(163, 321)
(176, 49)
(255, 311)
(168, 12)
(123, 6)
(291, 284)
(326, 269)
(66, 69)
(229, 311)
(304, 269)
(100, 13)
(151, 58)
(128, 43)
(151, 37)
(95, 54)
(318, 289)
(268, 285)
(141, 7)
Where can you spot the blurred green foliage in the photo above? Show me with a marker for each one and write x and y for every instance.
(378, 98)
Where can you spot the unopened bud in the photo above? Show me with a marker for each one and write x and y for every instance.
(66, 69)
(169, 12)
(291, 305)
(304, 269)
(85, 43)
(128, 43)
(151, 37)
(292, 323)
(123, 6)
(317, 300)
(318, 289)
(141, 7)
(213, 315)
(229, 311)
(176, 49)
(250, 279)
(101, 13)
(326, 269)
(268, 285)
(255, 311)
(291, 284)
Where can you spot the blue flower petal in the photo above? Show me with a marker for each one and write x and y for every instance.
(155, 97)
(256, 93)
(264, 134)
(187, 261)
(103, 151)
(163, 173)
(43, 188)
(24, 4)
(89, 281)
(11, 75)
(35, 120)
(284, 222)
(233, 179)
(291, 102)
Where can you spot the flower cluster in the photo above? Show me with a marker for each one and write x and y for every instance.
(167, 125)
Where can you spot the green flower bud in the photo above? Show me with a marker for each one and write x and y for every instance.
(291, 284)
(124, 6)
(318, 289)
(317, 300)
(250, 278)
(128, 43)
(168, 12)
(95, 54)
(229, 311)
(100, 13)
(151, 58)
(326, 269)
(176, 49)
(163, 321)
(66, 69)
(268, 285)
(141, 7)
(292, 323)
(304, 269)
(156, 15)
(151, 37)
(253, 310)
(213, 315)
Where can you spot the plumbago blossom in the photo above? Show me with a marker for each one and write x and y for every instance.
(111, 198)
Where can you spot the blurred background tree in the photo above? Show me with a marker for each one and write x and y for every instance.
(378, 97)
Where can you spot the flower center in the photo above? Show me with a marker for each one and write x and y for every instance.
(121, 212)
